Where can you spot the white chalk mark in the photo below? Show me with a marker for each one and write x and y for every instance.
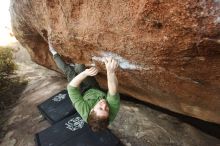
(75, 124)
(59, 97)
(123, 63)
(217, 20)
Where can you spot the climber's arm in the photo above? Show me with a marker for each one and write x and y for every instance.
(80, 77)
(111, 66)
(113, 97)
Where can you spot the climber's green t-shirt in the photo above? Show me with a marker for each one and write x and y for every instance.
(84, 104)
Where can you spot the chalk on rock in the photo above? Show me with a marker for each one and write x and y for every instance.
(73, 131)
(57, 107)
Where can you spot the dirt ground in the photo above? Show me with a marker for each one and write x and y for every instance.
(136, 124)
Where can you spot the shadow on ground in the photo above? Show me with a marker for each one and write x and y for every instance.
(209, 128)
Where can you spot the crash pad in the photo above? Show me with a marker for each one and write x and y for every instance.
(57, 107)
(73, 131)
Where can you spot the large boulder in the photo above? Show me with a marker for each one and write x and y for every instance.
(168, 51)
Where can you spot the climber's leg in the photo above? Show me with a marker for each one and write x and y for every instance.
(65, 68)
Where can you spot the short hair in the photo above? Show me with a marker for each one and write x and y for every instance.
(97, 123)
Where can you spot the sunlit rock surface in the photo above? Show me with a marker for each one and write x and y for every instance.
(168, 51)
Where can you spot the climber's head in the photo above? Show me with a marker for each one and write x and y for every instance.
(98, 118)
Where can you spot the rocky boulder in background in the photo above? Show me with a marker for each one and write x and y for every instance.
(168, 51)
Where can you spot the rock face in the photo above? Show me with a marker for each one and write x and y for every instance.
(168, 51)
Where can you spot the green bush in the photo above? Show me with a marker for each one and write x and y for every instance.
(7, 81)
(11, 86)
(7, 65)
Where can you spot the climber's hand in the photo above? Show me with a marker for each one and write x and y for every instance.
(91, 71)
(110, 64)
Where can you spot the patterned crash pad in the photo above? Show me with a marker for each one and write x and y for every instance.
(57, 107)
(73, 131)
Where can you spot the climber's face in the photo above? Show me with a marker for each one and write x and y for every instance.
(101, 108)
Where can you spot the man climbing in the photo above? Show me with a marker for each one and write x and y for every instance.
(96, 108)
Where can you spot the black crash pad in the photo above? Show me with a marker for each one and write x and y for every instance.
(73, 131)
(57, 107)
